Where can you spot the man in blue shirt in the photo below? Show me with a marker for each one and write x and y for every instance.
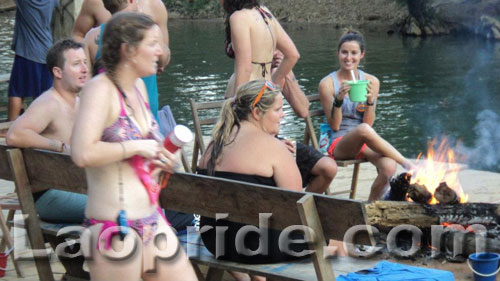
(32, 38)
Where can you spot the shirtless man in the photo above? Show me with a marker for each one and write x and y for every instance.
(92, 14)
(157, 11)
(48, 123)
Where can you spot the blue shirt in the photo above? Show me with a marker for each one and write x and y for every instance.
(32, 33)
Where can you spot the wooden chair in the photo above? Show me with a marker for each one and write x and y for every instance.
(8, 202)
(213, 109)
(310, 137)
(37, 170)
(199, 145)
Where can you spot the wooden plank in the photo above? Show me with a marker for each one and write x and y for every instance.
(309, 216)
(47, 169)
(5, 125)
(16, 163)
(5, 172)
(338, 215)
(214, 274)
(208, 121)
(346, 163)
(209, 105)
(244, 201)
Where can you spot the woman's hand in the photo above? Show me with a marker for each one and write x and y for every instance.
(290, 145)
(147, 148)
(165, 160)
(369, 95)
(343, 91)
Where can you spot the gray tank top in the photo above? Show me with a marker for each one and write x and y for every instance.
(352, 112)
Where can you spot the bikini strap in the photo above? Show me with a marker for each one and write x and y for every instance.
(265, 14)
(142, 98)
(263, 65)
(122, 107)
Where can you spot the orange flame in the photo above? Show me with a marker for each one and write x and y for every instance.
(438, 166)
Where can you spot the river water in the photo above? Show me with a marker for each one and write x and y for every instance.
(430, 87)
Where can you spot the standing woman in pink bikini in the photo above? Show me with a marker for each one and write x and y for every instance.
(252, 36)
(113, 125)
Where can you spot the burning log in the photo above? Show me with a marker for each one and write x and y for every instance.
(446, 195)
(419, 194)
(399, 187)
(394, 213)
(466, 243)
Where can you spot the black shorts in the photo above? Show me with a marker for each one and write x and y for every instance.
(307, 157)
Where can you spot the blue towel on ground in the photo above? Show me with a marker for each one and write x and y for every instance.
(388, 271)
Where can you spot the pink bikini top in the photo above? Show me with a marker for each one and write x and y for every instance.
(125, 128)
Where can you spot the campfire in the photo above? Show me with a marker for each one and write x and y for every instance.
(435, 178)
(431, 196)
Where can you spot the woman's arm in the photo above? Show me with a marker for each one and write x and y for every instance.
(291, 90)
(291, 55)
(326, 95)
(242, 46)
(285, 171)
(87, 149)
(371, 97)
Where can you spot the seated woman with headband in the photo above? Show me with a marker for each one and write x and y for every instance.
(246, 130)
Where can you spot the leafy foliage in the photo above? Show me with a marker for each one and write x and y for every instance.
(194, 8)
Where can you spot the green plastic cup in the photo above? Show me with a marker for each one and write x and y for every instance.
(358, 90)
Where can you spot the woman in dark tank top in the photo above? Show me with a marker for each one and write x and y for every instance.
(246, 130)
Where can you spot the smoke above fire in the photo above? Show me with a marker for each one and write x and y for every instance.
(485, 154)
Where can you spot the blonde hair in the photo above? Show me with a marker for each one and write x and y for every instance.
(235, 110)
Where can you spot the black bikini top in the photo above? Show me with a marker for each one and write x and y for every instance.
(228, 46)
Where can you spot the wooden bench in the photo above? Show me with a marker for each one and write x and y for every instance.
(330, 218)
(37, 170)
(310, 137)
(206, 114)
(327, 216)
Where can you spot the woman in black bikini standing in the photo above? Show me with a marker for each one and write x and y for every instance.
(252, 36)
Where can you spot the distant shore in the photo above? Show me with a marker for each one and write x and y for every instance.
(7, 5)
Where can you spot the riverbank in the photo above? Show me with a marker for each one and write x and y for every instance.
(380, 15)
(7, 5)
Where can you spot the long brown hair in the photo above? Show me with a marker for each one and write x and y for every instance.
(231, 6)
(124, 28)
(235, 110)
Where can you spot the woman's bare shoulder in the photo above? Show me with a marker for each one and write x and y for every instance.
(326, 83)
(96, 86)
(372, 78)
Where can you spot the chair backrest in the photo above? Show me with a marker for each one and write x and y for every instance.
(203, 115)
(5, 173)
(310, 134)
